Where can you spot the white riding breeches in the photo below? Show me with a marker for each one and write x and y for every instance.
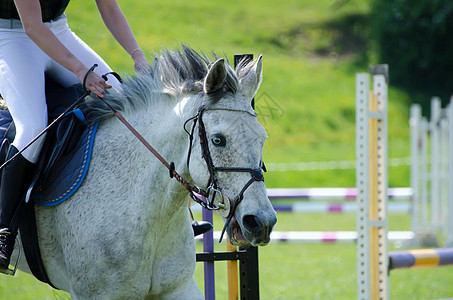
(22, 68)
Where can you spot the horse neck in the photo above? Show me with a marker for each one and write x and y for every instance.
(162, 125)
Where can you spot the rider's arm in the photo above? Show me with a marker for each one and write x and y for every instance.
(40, 34)
(116, 22)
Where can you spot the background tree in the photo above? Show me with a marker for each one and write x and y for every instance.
(416, 39)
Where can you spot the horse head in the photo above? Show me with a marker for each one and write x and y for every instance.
(231, 141)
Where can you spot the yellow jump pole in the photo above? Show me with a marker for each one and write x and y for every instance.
(373, 214)
(233, 279)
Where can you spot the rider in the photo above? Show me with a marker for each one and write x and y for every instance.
(35, 39)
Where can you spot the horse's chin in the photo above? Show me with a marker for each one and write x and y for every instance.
(241, 239)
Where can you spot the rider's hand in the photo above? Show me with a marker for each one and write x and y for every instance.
(141, 65)
(95, 83)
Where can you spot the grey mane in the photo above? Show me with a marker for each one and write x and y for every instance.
(173, 73)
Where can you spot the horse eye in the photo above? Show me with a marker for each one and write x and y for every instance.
(218, 140)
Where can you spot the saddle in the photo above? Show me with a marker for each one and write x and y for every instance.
(62, 165)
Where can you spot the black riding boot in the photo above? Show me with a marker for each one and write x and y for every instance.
(200, 227)
(15, 179)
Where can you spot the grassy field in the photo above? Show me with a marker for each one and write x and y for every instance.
(312, 50)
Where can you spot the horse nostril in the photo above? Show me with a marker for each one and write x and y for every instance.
(250, 223)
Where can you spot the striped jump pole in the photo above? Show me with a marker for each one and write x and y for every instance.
(334, 193)
(331, 237)
(420, 258)
(316, 237)
(335, 207)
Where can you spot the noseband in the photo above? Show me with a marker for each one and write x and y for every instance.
(212, 186)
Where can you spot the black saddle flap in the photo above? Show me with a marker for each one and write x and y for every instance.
(60, 141)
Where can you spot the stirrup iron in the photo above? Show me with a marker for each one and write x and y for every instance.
(9, 271)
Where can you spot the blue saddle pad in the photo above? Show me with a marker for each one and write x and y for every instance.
(68, 173)
(56, 183)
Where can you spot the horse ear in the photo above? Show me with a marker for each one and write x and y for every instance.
(251, 82)
(216, 76)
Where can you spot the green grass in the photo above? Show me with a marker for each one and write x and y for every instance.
(26, 287)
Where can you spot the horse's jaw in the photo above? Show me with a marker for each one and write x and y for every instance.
(252, 223)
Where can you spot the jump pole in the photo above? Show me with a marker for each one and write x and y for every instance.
(371, 181)
(324, 237)
(420, 258)
(208, 247)
(337, 194)
(232, 269)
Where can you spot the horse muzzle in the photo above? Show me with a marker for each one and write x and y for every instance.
(251, 230)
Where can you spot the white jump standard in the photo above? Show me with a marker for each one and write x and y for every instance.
(371, 177)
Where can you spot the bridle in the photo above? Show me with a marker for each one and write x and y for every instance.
(208, 195)
(212, 186)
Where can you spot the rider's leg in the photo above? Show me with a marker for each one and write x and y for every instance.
(15, 178)
(22, 66)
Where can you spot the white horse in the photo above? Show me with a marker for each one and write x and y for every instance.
(126, 233)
